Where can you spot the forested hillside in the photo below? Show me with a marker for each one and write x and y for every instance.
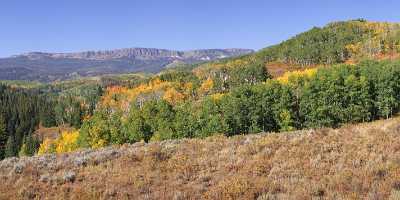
(230, 97)
(200, 100)
(337, 42)
(22, 111)
(176, 105)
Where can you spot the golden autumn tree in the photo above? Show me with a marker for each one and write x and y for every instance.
(206, 87)
(47, 146)
(66, 142)
(172, 96)
(294, 75)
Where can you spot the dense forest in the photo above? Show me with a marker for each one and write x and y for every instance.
(343, 78)
(174, 105)
(28, 106)
(22, 111)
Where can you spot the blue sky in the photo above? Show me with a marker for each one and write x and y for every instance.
(78, 25)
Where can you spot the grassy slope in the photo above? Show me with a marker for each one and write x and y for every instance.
(355, 162)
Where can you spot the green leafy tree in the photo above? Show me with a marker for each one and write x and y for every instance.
(277, 104)
(115, 128)
(95, 132)
(388, 90)
(356, 100)
(135, 127)
(160, 116)
(210, 119)
(252, 74)
(241, 113)
(285, 121)
(186, 122)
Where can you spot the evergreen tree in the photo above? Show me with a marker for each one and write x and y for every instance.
(29, 146)
(3, 137)
(76, 115)
(11, 148)
(23, 151)
(47, 113)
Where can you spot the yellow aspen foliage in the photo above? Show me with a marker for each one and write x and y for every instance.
(99, 144)
(155, 82)
(188, 89)
(121, 97)
(217, 96)
(294, 75)
(113, 96)
(95, 135)
(206, 87)
(353, 49)
(86, 117)
(66, 142)
(173, 96)
(47, 146)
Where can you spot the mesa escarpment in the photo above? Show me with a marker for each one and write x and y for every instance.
(47, 67)
(141, 53)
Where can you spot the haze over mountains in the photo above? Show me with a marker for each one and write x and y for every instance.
(61, 66)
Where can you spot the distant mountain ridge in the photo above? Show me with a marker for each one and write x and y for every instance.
(141, 53)
(60, 66)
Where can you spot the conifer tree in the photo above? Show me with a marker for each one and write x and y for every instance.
(11, 149)
(3, 137)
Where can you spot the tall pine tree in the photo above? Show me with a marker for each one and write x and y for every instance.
(3, 136)
(10, 149)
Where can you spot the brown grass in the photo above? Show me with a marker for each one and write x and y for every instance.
(354, 162)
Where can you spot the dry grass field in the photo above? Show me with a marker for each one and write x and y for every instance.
(354, 162)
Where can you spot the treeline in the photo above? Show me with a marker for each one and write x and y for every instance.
(329, 97)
